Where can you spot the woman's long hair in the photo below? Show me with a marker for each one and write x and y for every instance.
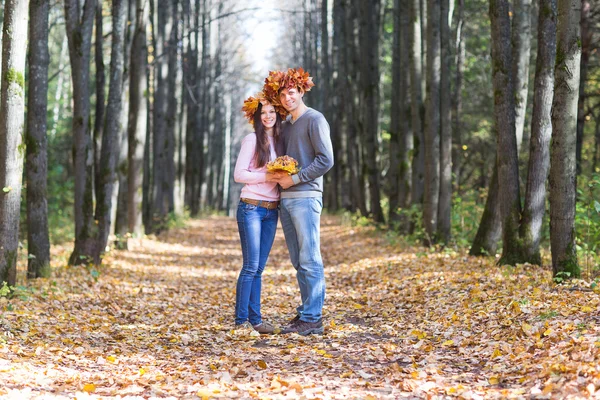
(262, 153)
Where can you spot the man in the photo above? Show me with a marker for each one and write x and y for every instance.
(306, 138)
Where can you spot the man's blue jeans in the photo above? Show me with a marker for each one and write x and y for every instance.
(257, 227)
(301, 219)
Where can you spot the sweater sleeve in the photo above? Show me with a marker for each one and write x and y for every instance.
(321, 142)
(242, 172)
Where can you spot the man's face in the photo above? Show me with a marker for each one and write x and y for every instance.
(291, 98)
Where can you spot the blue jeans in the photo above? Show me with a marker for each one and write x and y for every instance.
(257, 226)
(301, 219)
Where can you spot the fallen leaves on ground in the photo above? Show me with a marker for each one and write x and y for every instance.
(157, 322)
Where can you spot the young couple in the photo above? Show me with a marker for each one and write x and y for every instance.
(283, 125)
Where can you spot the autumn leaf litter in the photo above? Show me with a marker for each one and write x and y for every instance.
(156, 322)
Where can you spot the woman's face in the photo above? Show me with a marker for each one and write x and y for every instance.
(268, 116)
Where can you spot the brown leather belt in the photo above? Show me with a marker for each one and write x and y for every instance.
(269, 205)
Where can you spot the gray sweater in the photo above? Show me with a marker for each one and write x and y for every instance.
(307, 140)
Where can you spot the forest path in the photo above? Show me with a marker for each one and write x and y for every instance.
(156, 321)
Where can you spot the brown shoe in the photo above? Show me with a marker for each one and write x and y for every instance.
(265, 328)
(305, 328)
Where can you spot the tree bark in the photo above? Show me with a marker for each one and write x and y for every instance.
(521, 49)
(100, 93)
(121, 225)
(79, 24)
(490, 227)
(110, 136)
(457, 103)
(504, 120)
(12, 104)
(445, 200)
(369, 44)
(563, 177)
(541, 132)
(432, 124)
(38, 240)
(417, 109)
(586, 48)
(137, 124)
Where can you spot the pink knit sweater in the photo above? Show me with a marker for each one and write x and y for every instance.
(256, 186)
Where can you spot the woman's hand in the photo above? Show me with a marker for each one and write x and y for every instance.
(275, 176)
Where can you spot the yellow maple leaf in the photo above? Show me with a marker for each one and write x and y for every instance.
(111, 359)
(494, 380)
(262, 364)
(587, 309)
(448, 343)
(496, 353)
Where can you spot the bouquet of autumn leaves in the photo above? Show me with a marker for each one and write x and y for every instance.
(283, 163)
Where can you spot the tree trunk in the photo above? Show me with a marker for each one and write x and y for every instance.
(504, 120)
(100, 94)
(38, 240)
(445, 200)
(137, 123)
(457, 103)
(160, 151)
(586, 48)
(369, 44)
(432, 124)
(541, 132)
(490, 227)
(393, 175)
(521, 49)
(172, 108)
(79, 35)
(416, 92)
(110, 136)
(563, 177)
(12, 104)
(121, 225)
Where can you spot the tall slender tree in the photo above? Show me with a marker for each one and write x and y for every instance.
(563, 176)
(79, 23)
(137, 123)
(541, 131)
(369, 18)
(36, 170)
(445, 201)
(110, 136)
(12, 104)
(521, 49)
(432, 123)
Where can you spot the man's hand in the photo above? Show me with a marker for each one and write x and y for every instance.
(275, 176)
(286, 181)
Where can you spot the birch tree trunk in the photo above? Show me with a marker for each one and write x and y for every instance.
(432, 124)
(12, 104)
(79, 24)
(137, 124)
(445, 201)
(36, 170)
(112, 128)
(541, 132)
(563, 177)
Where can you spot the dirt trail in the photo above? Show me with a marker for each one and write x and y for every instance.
(156, 322)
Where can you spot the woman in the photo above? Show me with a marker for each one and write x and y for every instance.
(258, 210)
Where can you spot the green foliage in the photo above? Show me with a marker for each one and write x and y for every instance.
(587, 223)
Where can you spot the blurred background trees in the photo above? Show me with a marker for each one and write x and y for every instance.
(440, 119)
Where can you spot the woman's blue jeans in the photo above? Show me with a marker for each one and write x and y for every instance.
(257, 226)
